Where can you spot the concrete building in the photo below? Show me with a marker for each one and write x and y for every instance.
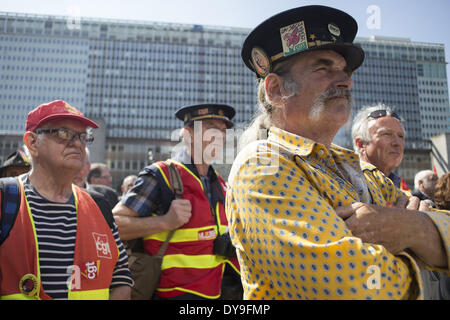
(440, 153)
(133, 75)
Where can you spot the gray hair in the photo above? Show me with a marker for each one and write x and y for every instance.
(360, 127)
(263, 119)
(420, 176)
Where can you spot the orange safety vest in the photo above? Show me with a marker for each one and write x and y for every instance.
(189, 264)
(95, 257)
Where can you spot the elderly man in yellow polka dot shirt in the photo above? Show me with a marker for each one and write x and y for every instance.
(307, 220)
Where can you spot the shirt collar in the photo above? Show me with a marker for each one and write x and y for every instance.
(306, 147)
(395, 179)
(184, 157)
(292, 142)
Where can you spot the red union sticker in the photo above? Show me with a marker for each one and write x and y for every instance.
(207, 234)
(102, 245)
(91, 270)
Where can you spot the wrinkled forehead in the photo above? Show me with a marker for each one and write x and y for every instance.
(317, 57)
(387, 123)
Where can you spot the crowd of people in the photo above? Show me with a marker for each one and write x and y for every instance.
(300, 217)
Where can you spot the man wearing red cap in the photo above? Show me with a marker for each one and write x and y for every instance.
(67, 249)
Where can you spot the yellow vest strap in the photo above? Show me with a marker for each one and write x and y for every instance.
(99, 294)
(19, 296)
(206, 261)
(191, 234)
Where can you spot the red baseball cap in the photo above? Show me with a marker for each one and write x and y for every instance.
(52, 111)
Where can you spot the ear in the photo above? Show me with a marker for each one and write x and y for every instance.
(360, 145)
(187, 134)
(30, 140)
(274, 87)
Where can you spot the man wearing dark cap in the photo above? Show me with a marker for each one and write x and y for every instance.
(59, 245)
(16, 164)
(307, 222)
(200, 261)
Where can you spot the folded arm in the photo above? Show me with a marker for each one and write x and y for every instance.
(397, 229)
(291, 243)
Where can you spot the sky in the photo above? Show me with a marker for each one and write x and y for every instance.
(418, 20)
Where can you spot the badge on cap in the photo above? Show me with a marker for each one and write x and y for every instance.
(69, 108)
(293, 38)
(202, 112)
(29, 285)
(261, 62)
(334, 29)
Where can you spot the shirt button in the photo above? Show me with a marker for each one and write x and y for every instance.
(321, 152)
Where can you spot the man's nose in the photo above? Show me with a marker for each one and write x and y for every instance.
(344, 80)
(397, 141)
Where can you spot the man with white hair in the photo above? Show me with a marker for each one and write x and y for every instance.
(59, 245)
(307, 221)
(424, 185)
(379, 138)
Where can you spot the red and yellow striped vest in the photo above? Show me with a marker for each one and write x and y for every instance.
(189, 264)
(95, 255)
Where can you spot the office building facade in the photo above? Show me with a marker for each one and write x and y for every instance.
(134, 75)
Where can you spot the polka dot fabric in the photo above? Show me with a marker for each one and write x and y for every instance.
(289, 240)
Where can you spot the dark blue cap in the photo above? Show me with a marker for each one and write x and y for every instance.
(200, 112)
(298, 30)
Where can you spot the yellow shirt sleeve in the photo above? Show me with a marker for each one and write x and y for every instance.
(441, 219)
(292, 245)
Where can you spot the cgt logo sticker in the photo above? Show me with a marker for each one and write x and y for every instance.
(102, 245)
(91, 270)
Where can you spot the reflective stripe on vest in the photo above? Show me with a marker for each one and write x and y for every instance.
(184, 235)
(99, 294)
(205, 261)
(94, 246)
(183, 252)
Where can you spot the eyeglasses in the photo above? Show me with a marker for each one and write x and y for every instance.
(68, 135)
(382, 113)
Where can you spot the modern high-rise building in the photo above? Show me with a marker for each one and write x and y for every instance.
(132, 76)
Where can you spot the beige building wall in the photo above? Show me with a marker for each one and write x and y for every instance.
(440, 152)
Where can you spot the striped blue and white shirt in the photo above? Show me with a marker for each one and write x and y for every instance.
(56, 226)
